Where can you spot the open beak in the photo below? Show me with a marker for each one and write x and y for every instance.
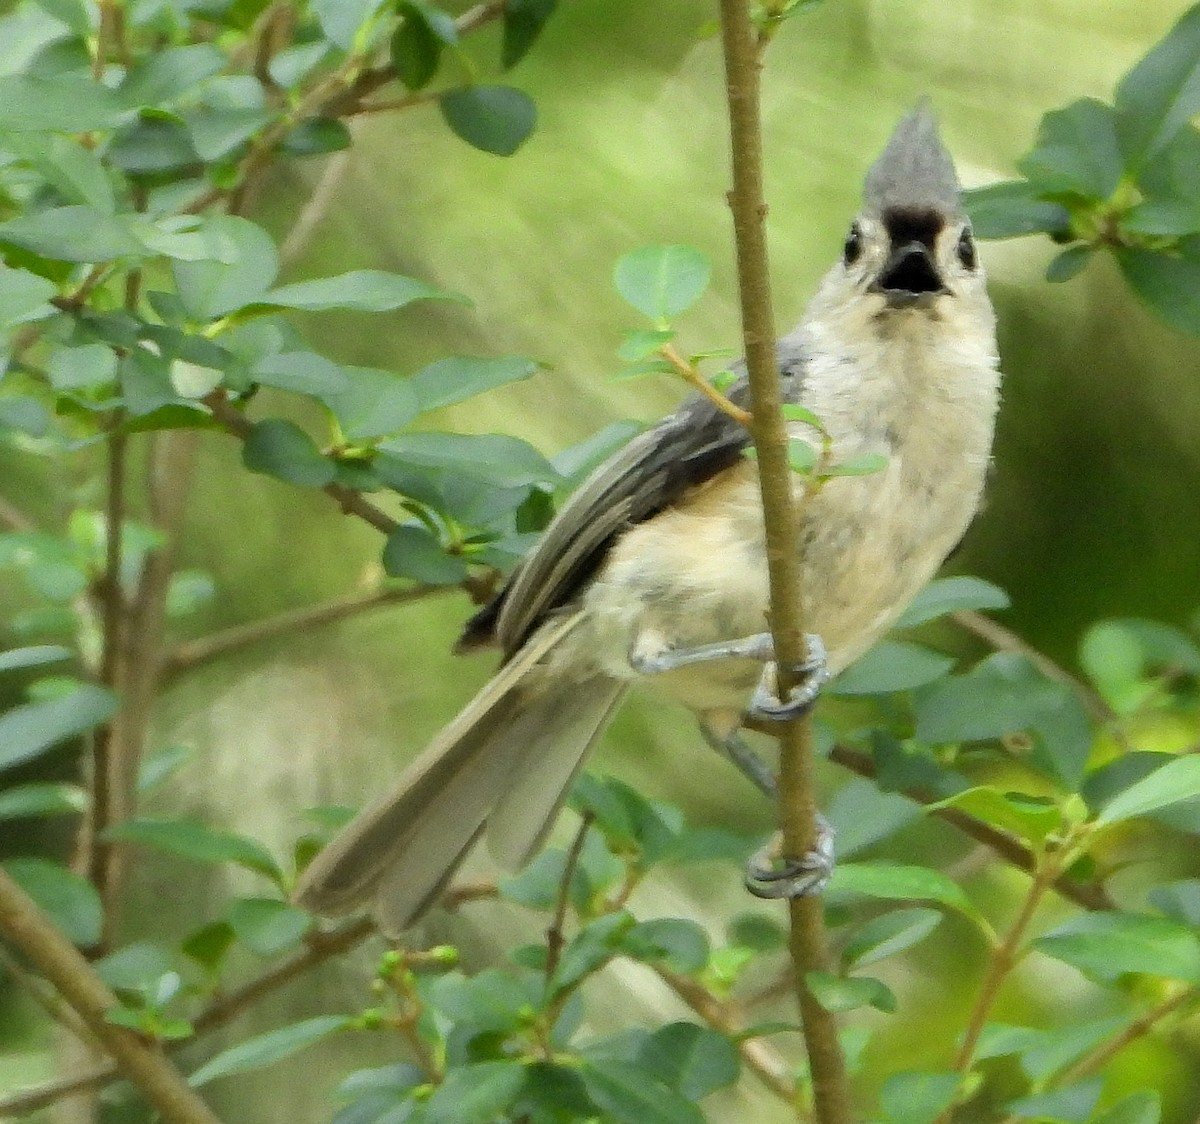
(910, 277)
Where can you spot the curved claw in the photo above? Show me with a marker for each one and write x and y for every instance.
(770, 875)
(814, 671)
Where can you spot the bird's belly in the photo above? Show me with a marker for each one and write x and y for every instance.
(697, 574)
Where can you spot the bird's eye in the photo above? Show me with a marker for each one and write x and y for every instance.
(966, 250)
(853, 247)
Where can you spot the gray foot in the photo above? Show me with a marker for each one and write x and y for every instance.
(749, 764)
(770, 875)
(814, 673)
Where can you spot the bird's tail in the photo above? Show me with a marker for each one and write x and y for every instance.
(505, 763)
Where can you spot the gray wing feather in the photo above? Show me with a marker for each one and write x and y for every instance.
(648, 475)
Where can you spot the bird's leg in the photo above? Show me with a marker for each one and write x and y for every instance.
(650, 658)
(768, 873)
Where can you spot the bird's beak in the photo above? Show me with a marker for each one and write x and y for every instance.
(910, 276)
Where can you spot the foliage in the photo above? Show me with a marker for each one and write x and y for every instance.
(1122, 177)
(141, 306)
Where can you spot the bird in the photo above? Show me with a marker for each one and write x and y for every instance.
(655, 569)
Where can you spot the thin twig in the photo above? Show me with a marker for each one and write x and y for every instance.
(687, 371)
(554, 934)
(797, 803)
(142, 1062)
(52, 1004)
(1005, 640)
(314, 210)
(192, 653)
(14, 517)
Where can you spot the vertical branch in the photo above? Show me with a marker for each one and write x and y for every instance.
(797, 805)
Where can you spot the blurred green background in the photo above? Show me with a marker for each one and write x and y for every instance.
(1094, 508)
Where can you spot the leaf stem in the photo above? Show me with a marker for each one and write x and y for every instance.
(687, 371)
(554, 934)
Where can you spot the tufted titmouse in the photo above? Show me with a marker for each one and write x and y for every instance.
(655, 568)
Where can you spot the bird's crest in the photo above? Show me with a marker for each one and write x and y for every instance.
(914, 172)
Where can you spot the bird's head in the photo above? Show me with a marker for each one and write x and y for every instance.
(912, 243)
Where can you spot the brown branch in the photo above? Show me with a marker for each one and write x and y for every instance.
(797, 802)
(319, 948)
(554, 934)
(192, 653)
(142, 1062)
(1089, 895)
(1005, 640)
(350, 501)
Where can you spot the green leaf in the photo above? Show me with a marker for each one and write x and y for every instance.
(417, 43)
(162, 76)
(267, 926)
(848, 993)
(504, 462)
(341, 20)
(75, 172)
(47, 799)
(218, 133)
(624, 1093)
(317, 136)
(862, 814)
(1158, 218)
(69, 901)
(1077, 152)
(29, 730)
(892, 665)
(948, 595)
(1161, 94)
(523, 23)
(802, 455)
(35, 656)
(917, 1098)
(1069, 263)
(373, 403)
(1028, 817)
(1174, 173)
(281, 448)
(496, 119)
(266, 1049)
(594, 945)
(198, 842)
(77, 234)
(757, 931)
(25, 414)
(1005, 694)
(899, 883)
(66, 103)
(1106, 945)
(360, 290)
(662, 281)
(1013, 209)
(675, 941)
(1072, 1104)
(1179, 900)
(492, 1000)
(867, 464)
(692, 1060)
(145, 379)
(209, 945)
(304, 372)
(1178, 779)
(1143, 1107)
(1168, 285)
(79, 368)
(412, 551)
(240, 272)
(888, 934)
(24, 297)
(460, 377)
(476, 1094)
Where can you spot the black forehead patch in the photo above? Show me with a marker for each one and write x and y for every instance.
(913, 224)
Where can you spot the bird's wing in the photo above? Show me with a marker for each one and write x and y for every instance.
(649, 474)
